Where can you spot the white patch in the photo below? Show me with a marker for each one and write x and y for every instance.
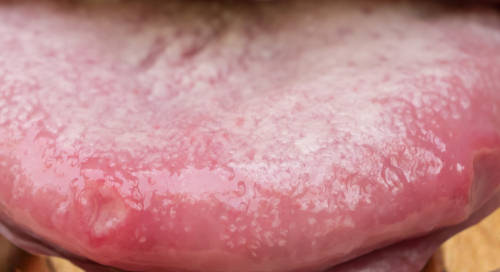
(348, 222)
(276, 222)
(308, 144)
(242, 241)
(282, 243)
(109, 217)
(232, 228)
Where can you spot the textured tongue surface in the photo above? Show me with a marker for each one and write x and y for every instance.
(408, 255)
(287, 136)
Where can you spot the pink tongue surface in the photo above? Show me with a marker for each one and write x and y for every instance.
(287, 136)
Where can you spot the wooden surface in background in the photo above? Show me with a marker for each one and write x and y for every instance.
(475, 250)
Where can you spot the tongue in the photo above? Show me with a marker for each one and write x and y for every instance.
(283, 136)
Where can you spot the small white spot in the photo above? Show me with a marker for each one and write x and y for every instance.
(142, 240)
(268, 238)
(281, 243)
(311, 221)
(173, 213)
(63, 207)
(253, 246)
(232, 228)
(307, 144)
(242, 241)
(276, 222)
(348, 222)
(460, 168)
(111, 222)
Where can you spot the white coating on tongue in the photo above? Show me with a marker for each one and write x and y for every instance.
(238, 92)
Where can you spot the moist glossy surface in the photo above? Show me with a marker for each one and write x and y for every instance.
(288, 136)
